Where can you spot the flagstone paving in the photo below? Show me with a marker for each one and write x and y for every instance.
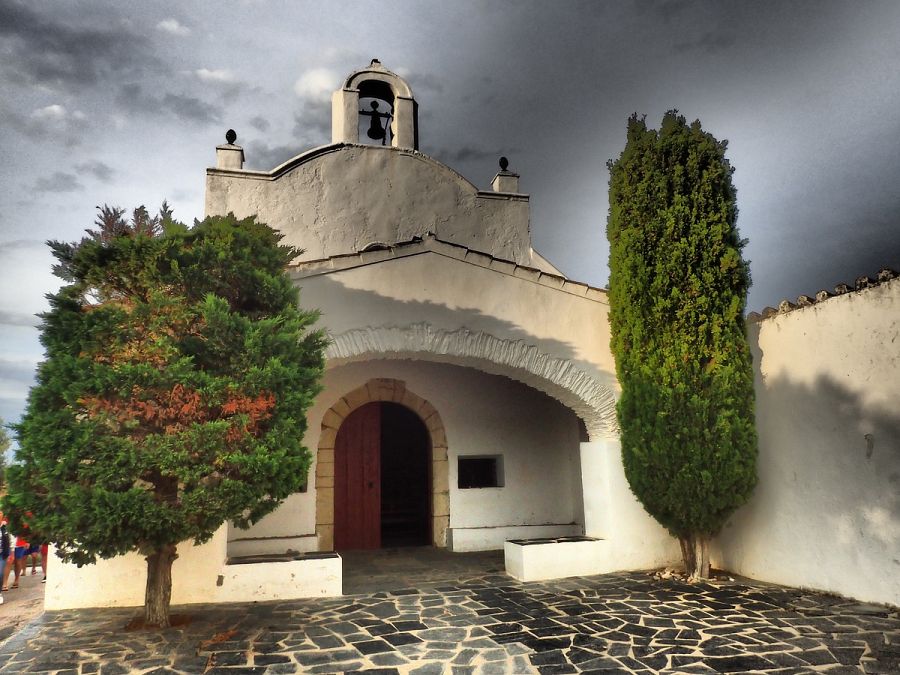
(492, 625)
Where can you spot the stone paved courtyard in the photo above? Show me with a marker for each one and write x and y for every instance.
(490, 624)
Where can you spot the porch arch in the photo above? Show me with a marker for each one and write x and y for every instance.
(395, 391)
(593, 402)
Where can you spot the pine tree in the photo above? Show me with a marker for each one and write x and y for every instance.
(678, 287)
(173, 395)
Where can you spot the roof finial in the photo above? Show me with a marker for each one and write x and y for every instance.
(504, 164)
(230, 136)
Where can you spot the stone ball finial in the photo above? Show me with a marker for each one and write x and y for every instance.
(504, 164)
(230, 136)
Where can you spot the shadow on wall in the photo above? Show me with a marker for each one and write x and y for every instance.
(826, 510)
(344, 308)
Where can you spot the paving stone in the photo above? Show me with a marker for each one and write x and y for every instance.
(388, 659)
(550, 657)
(428, 669)
(487, 624)
(443, 634)
(270, 659)
(327, 641)
(738, 664)
(398, 639)
(331, 668)
(228, 659)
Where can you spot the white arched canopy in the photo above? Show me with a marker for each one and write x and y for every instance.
(559, 378)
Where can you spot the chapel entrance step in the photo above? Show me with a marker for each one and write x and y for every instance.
(415, 567)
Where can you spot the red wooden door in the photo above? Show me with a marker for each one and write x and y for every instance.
(357, 480)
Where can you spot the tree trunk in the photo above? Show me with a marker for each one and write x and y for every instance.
(688, 554)
(158, 594)
(695, 554)
(703, 556)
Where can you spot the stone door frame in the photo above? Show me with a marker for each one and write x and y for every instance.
(394, 391)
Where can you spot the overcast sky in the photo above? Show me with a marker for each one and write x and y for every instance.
(123, 103)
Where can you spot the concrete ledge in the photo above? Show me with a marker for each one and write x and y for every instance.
(238, 548)
(541, 559)
(200, 574)
(462, 539)
(284, 577)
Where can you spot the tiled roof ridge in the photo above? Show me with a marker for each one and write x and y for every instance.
(885, 275)
(378, 252)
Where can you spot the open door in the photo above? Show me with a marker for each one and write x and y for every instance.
(382, 482)
(357, 480)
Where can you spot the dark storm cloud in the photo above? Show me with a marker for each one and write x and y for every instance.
(221, 82)
(260, 155)
(312, 124)
(259, 123)
(425, 81)
(52, 122)
(709, 42)
(56, 48)
(58, 181)
(132, 98)
(8, 318)
(465, 154)
(666, 10)
(97, 169)
(190, 109)
(20, 244)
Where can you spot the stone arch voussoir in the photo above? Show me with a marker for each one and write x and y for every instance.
(592, 401)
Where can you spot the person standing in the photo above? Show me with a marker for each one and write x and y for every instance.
(4, 551)
(21, 550)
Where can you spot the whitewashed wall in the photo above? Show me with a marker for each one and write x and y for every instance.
(613, 513)
(826, 511)
(340, 198)
(482, 414)
(199, 575)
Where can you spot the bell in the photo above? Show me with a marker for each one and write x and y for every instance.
(376, 131)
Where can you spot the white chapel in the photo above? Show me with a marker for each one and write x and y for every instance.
(465, 372)
(469, 395)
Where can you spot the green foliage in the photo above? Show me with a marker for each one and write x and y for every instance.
(173, 395)
(677, 292)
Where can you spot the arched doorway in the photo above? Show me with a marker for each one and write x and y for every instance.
(386, 390)
(382, 490)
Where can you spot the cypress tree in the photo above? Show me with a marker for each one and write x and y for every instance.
(677, 292)
(173, 395)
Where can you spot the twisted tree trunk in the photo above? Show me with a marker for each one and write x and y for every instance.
(158, 594)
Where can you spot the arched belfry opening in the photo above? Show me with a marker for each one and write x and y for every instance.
(376, 113)
(375, 106)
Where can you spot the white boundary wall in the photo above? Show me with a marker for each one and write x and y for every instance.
(199, 575)
(826, 511)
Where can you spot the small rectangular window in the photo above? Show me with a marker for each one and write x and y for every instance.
(483, 471)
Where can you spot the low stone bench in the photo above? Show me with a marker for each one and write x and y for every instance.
(542, 559)
(281, 577)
